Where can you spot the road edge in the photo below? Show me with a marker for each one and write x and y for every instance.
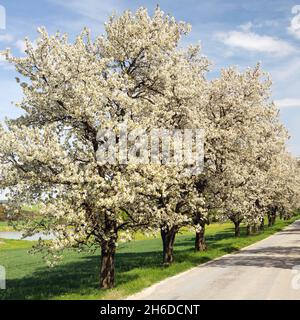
(149, 290)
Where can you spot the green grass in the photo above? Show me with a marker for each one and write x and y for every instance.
(5, 227)
(138, 265)
(30, 208)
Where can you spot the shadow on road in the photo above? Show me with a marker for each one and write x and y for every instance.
(79, 275)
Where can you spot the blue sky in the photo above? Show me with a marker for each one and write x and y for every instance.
(232, 32)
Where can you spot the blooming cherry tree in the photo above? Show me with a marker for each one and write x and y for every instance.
(73, 91)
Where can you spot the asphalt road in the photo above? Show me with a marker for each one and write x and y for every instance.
(269, 269)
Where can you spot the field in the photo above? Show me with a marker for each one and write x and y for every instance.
(5, 227)
(138, 265)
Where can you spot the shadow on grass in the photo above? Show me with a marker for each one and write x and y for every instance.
(79, 275)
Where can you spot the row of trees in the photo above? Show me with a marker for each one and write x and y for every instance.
(136, 73)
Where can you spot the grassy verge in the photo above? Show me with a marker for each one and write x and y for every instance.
(138, 265)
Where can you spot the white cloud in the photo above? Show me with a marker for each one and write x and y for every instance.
(20, 44)
(9, 92)
(4, 64)
(6, 38)
(92, 9)
(246, 26)
(294, 27)
(288, 103)
(252, 41)
(270, 23)
(287, 71)
(261, 24)
(296, 9)
(90, 13)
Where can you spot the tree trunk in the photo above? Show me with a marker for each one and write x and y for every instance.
(249, 230)
(273, 219)
(269, 220)
(107, 273)
(255, 229)
(168, 239)
(272, 216)
(237, 229)
(200, 244)
(262, 224)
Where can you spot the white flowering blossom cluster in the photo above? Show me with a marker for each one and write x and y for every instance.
(136, 74)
